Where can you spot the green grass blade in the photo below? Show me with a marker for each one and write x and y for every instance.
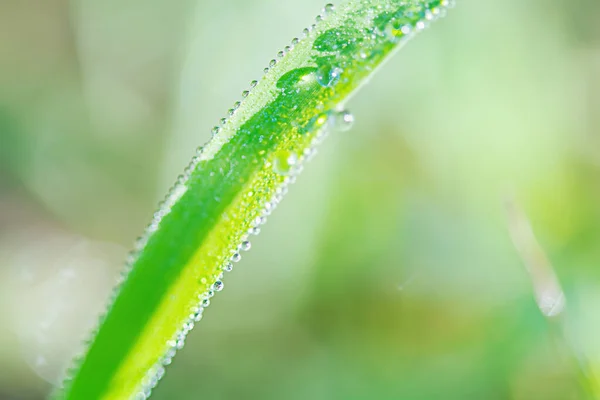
(229, 188)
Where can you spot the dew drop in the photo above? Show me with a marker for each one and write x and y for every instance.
(228, 267)
(215, 130)
(296, 80)
(236, 257)
(245, 93)
(272, 63)
(284, 161)
(218, 286)
(342, 120)
(268, 208)
(205, 303)
(328, 75)
(295, 41)
(246, 245)
(280, 54)
(329, 8)
(254, 231)
(197, 316)
(253, 84)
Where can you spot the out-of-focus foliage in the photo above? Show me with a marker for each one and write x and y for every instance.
(103, 103)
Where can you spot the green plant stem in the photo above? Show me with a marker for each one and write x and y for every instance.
(229, 188)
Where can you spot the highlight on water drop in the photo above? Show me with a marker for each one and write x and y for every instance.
(328, 75)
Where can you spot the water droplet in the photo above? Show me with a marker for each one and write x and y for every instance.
(319, 18)
(215, 130)
(295, 41)
(268, 208)
(228, 267)
(188, 326)
(342, 120)
(328, 75)
(329, 8)
(280, 54)
(246, 245)
(260, 221)
(266, 70)
(245, 93)
(197, 316)
(223, 121)
(284, 161)
(253, 84)
(306, 32)
(236, 257)
(337, 40)
(254, 231)
(218, 286)
(296, 79)
(272, 63)
(205, 303)
(236, 105)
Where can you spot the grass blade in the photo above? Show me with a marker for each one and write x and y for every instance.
(229, 188)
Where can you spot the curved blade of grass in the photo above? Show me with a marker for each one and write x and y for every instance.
(229, 187)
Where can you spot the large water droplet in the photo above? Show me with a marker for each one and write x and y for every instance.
(296, 79)
(328, 75)
(337, 40)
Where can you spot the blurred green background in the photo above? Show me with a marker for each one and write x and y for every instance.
(388, 272)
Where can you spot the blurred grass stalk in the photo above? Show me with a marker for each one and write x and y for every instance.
(548, 293)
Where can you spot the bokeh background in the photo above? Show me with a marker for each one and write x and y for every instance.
(388, 272)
